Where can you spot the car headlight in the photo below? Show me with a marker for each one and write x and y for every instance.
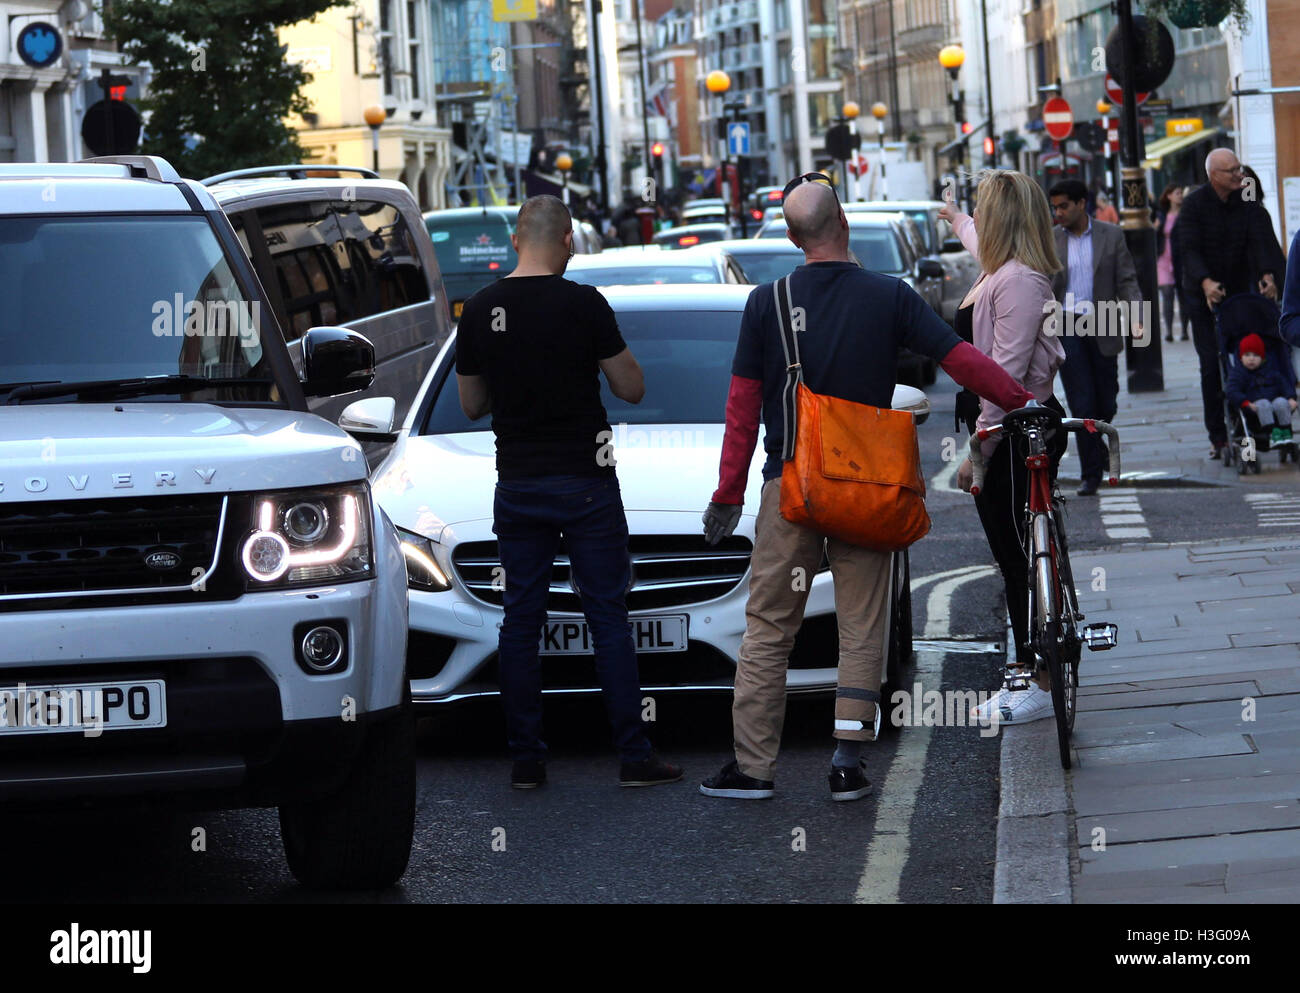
(422, 569)
(309, 536)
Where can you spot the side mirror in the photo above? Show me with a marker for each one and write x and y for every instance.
(911, 399)
(336, 361)
(953, 245)
(370, 418)
(929, 269)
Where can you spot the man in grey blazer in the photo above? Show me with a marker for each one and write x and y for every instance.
(1100, 300)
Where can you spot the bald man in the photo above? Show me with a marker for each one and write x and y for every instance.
(853, 325)
(530, 349)
(1227, 246)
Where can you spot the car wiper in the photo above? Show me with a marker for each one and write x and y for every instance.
(7, 387)
(122, 388)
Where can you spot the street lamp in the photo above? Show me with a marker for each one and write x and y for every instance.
(375, 115)
(849, 114)
(879, 111)
(719, 82)
(564, 162)
(951, 58)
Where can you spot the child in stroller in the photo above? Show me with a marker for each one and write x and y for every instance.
(1261, 389)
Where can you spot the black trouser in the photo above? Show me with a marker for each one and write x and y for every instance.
(1001, 505)
(1206, 339)
(1091, 382)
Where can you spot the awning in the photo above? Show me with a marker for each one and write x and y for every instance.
(1157, 150)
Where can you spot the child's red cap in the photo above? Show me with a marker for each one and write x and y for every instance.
(1251, 343)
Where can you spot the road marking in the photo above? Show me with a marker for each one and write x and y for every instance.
(918, 582)
(936, 608)
(890, 845)
(959, 647)
(1275, 510)
(1121, 514)
(943, 479)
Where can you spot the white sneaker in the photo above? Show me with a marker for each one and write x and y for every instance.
(1015, 706)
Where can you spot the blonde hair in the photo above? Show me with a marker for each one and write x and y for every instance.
(1015, 222)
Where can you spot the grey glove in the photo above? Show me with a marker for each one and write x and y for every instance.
(720, 520)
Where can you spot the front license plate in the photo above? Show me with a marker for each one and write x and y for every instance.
(649, 634)
(89, 708)
(457, 307)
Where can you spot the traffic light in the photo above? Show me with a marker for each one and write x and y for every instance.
(988, 147)
(967, 127)
(657, 154)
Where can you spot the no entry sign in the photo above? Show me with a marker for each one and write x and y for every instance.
(1115, 93)
(1058, 119)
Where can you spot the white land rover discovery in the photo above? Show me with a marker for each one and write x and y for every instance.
(198, 595)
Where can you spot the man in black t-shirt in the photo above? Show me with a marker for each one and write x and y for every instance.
(530, 349)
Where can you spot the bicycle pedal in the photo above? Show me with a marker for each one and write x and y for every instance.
(1100, 637)
(1015, 680)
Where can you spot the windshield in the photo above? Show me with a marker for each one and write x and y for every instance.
(765, 267)
(118, 298)
(639, 275)
(472, 244)
(875, 247)
(685, 355)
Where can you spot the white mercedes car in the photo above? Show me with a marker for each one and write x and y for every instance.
(687, 599)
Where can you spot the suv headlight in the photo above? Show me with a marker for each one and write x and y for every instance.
(422, 569)
(309, 536)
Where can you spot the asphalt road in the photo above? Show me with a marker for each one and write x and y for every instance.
(927, 835)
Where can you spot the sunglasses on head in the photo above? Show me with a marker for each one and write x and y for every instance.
(808, 177)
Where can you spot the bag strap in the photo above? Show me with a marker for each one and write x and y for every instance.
(793, 369)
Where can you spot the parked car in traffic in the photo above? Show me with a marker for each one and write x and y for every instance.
(760, 260)
(687, 235)
(687, 599)
(689, 265)
(961, 269)
(201, 599)
(881, 244)
(350, 251)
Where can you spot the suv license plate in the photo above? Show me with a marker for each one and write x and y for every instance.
(666, 633)
(84, 707)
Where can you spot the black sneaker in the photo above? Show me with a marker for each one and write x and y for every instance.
(648, 772)
(849, 784)
(733, 783)
(528, 774)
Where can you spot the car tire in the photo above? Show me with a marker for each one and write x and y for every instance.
(359, 837)
(901, 653)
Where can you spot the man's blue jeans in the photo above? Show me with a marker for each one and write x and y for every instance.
(530, 517)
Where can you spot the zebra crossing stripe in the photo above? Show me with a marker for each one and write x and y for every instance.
(1275, 510)
(1121, 514)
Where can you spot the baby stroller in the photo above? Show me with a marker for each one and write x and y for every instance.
(1236, 317)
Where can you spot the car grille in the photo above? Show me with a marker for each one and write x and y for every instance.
(667, 571)
(98, 547)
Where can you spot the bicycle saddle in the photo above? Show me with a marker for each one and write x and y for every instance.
(1045, 416)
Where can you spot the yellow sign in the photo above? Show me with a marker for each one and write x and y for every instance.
(1183, 125)
(514, 10)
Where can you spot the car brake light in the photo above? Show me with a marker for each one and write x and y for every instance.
(689, 239)
(494, 265)
(774, 195)
(756, 215)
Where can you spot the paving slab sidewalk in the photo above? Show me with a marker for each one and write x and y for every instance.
(1186, 779)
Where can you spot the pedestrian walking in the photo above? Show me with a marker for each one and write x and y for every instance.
(1097, 285)
(529, 350)
(1227, 247)
(1290, 323)
(850, 326)
(1169, 263)
(1105, 209)
(1007, 311)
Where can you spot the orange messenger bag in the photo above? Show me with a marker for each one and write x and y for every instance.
(852, 471)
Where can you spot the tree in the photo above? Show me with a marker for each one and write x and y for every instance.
(221, 88)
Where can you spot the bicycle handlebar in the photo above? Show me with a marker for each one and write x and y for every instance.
(1074, 424)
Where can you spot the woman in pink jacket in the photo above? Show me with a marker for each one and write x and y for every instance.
(1004, 315)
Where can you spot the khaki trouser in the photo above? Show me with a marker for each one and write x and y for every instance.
(785, 559)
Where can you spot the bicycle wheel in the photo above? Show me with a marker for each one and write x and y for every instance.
(1050, 621)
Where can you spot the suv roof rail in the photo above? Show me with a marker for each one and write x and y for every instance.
(142, 166)
(291, 171)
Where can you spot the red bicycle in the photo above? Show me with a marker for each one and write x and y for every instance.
(1054, 614)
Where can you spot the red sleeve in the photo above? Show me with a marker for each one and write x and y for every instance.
(977, 372)
(744, 409)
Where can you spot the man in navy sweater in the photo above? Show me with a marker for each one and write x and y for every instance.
(853, 325)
